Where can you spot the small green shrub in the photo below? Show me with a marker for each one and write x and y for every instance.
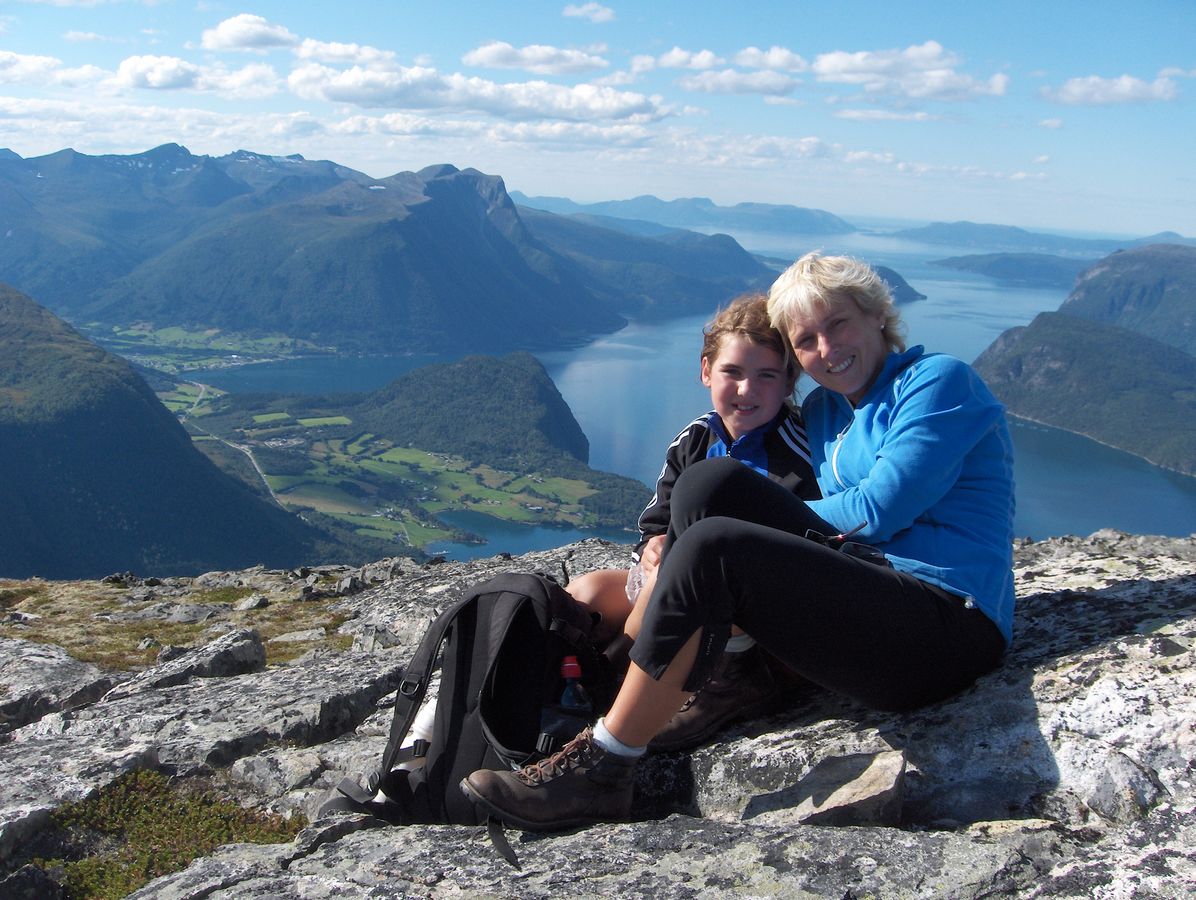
(143, 826)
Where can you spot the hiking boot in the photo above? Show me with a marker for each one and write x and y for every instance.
(741, 687)
(579, 785)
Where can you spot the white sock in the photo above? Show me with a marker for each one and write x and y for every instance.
(611, 744)
(737, 643)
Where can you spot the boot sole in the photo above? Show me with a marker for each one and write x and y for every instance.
(523, 824)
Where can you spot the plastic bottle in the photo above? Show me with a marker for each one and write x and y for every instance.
(421, 730)
(574, 699)
(635, 581)
(560, 722)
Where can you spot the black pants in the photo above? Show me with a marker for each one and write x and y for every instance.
(736, 553)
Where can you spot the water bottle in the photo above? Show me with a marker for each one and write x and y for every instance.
(635, 582)
(421, 730)
(560, 722)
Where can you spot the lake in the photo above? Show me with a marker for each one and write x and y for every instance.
(632, 391)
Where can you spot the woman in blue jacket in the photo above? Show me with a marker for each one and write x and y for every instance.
(895, 588)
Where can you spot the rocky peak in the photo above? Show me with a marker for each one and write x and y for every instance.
(1065, 773)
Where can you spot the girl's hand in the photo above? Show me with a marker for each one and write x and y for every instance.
(650, 555)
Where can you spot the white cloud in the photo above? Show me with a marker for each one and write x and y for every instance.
(924, 71)
(20, 67)
(336, 52)
(82, 37)
(1041, 160)
(1093, 90)
(729, 81)
(1051, 123)
(885, 115)
(857, 156)
(424, 88)
(778, 58)
(43, 126)
(157, 73)
(595, 12)
(168, 73)
(247, 32)
(686, 59)
(538, 58)
(1174, 72)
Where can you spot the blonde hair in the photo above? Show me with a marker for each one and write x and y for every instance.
(813, 284)
(747, 316)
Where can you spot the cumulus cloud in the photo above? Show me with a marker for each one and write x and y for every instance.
(885, 115)
(924, 71)
(424, 88)
(168, 73)
(1051, 123)
(778, 58)
(595, 12)
(336, 52)
(157, 73)
(1093, 90)
(1174, 72)
(247, 32)
(1041, 160)
(538, 58)
(730, 81)
(686, 59)
(21, 67)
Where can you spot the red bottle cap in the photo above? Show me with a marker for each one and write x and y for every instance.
(570, 668)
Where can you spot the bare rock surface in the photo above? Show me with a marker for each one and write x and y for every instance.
(1068, 772)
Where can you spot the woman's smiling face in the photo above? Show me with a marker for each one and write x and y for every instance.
(842, 347)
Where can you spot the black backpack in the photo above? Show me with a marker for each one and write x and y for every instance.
(503, 644)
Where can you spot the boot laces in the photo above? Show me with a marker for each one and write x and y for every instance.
(577, 752)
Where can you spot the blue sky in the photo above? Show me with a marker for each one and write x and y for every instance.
(1053, 114)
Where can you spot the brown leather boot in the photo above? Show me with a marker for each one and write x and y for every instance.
(579, 785)
(741, 687)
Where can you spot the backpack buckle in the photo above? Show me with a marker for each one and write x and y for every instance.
(410, 687)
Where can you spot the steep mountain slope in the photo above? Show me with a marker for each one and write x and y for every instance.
(311, 250)
(420, 261)
(1150, 290)
(99, 477)
(1099, 380)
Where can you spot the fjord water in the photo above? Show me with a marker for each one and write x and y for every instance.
(632, 391)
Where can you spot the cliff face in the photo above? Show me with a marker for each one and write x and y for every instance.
(1066, 773)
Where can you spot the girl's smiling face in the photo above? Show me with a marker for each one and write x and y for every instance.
(842, 348)
(748, 383)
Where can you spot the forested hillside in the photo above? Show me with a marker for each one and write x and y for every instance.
(99, 477)
(1099, 380)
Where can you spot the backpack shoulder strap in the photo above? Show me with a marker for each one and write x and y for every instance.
(413, 687)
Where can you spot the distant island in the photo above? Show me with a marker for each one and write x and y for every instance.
(1116, 362)
(1020, 269)
(1010, 239)
(699, 212)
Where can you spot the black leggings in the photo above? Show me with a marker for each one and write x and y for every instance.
(736, 553)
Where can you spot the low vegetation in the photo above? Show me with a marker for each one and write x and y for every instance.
(143, 826)
(94, 622)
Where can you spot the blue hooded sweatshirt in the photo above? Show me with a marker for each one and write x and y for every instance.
(925, 460)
